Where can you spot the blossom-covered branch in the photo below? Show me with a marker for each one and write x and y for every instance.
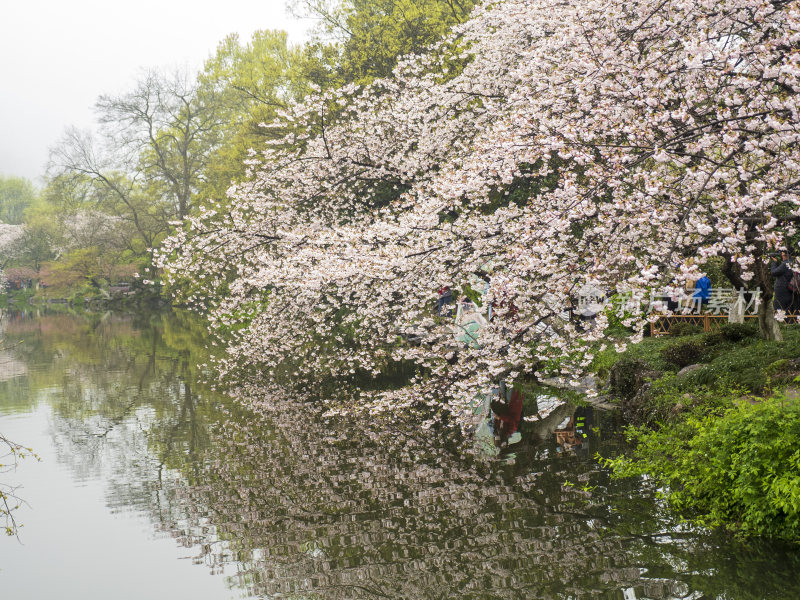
(602, 141)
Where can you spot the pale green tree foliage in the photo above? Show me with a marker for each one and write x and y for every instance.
(251, 82)
(98, 231)
(40, 239)
(84, 177)
(151, 157)
(16, 194)
(372, 34)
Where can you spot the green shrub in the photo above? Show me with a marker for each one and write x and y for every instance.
(603, 361)
(683, 329)
(739, 469)
(713, 339)
(736, 332)
(628, 375)
(776, 366)
(683, 353)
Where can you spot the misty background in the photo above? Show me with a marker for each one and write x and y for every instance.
(58, 57)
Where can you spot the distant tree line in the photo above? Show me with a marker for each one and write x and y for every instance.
(176, 141)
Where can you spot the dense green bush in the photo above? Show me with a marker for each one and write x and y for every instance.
(736, 332)
(724, 457)
(712, 339)
(628, 375)
(739, 469)
(749, 363)
(683, 329)
(683, 353)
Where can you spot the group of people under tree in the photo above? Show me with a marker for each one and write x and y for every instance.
(786, 288)
(785, 292)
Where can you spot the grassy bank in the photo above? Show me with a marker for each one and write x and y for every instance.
(715, 418)
(81, 297)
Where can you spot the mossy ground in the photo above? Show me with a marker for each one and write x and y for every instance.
(731, 358)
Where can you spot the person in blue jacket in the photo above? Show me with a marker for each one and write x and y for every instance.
(703, 289)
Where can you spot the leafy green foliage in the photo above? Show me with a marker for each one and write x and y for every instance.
(627, 376)
(372, 34)
(41, 237)
(729, 358)
(724, 457)
(739, 469)
(648, 350)
(736, 332)
(251, 81)
(16, 195)
(684, 329)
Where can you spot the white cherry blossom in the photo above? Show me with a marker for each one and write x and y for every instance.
(608, 141)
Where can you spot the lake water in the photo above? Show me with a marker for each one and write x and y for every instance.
(150, 485)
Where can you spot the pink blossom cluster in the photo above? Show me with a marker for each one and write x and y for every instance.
(10, 236)
(543, 145)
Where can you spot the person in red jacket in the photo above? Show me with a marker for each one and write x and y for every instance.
(445, 299)
(507, 416)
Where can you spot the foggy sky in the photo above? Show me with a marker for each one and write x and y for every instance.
(58, 56)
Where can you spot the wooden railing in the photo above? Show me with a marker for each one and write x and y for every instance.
(707, 321)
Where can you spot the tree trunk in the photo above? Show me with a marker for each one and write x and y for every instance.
(768, 327)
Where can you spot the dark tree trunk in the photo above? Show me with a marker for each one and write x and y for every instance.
(768, 327)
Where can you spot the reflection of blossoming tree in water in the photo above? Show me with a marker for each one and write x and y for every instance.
(290, 505)
(287, 504)
(10, 454)
(340, 510)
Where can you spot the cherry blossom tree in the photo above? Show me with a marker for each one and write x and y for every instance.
(543, 145)
(85, 228)
(10, 236)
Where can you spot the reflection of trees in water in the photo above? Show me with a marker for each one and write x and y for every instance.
(10, 367)
(121, 389)
(310, 507)
(301, 507)
(290, 505)
(345, 511)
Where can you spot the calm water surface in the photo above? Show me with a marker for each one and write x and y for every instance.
(152, 486)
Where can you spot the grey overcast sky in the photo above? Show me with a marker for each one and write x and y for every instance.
(58, 56)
